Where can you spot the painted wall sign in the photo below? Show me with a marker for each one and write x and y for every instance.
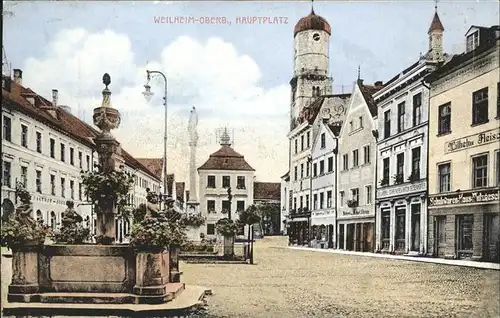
(355, 212)
(483, 196)
(401, 189)
(480, 139)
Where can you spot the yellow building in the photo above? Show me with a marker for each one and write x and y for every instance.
(464, 156)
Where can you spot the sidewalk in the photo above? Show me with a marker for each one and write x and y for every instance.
(474, 264)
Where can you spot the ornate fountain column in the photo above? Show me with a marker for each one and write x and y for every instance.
(192, 203)
(107, 118)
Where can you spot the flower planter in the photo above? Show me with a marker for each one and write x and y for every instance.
(228, 246)
(24, 273)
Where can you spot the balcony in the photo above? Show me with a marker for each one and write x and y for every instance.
(352, 203)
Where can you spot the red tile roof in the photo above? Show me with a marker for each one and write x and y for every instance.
(62, 121)
(226, 159)
(312, 22)
(267, 191)
(155, 165)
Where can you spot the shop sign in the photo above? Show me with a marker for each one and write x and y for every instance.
(402, 189)
(47, 200)
(354, 212)
(480, 139)
(483, 196)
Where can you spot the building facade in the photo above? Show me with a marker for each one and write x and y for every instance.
(356, 188)
(267, 197)
(464, 152)
(285, 203)
(225, 169)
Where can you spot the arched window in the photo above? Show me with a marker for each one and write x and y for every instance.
(87, 221)
(53, 220)
(39, 216)
(7, 209)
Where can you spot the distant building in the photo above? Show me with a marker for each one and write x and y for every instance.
(464, 152)
(224, 169)
(45, 147)
(268, 196)
(356, 176)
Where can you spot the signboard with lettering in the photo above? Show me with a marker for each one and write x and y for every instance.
(402, 189)
(471, 141)
(483, 196)
(354, 212)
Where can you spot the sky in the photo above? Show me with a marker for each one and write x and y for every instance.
(236, 75)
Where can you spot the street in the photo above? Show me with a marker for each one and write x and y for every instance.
(290, 283)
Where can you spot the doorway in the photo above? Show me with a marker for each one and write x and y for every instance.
(350, 237)
(492, 238)
(330, 236)
(341, 235)
(440, 235)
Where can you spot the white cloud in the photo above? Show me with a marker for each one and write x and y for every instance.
(222, 82)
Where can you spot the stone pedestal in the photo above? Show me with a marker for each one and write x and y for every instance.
(175, 276)
(24, 274)
(228, 245)
(152, 276)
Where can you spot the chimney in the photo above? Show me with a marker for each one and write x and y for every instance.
(54, 97)
(18, 76)
(379, 83)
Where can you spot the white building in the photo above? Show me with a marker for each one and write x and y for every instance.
(45, 147)
(224, 169)
(323, 185)
(356, 177)
(286, 202)
(402, 149)
(311, 94)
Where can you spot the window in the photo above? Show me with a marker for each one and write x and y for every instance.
(307, 201)
(295, 173)
(72, 156)
(368, 193)
(7, 128)
(351, 126)
(211, 182)
(226, 181)
(498, 167)
(401, 117)
(417, 109)
(345, 161)
(301, 200)
(72, 188)
(52, 148)
(400, 166)
(415, 164)
(315, 169)
(355, 194)
(63, 152)
(385, 171)
(444, 124)
(342, 197)
(295, 203)
(302, 142)
(387, 124)
(360, 122)
(52, 184)
(415, 227)
(480, 106)
(321, 200)
(498, 100)
(80, 193)
(480, 171)
(465, 224)
(296, 146)
(315, 201)
(321, 167)
(63, 184)
(444, 171)
(386, 228)
(24, 136)
(323, 140)
(6, 174)
(88, 162)
(355, 158)
(39, 142)
(226, 206)
(210, 229)
(330, 164)
(308, 137)
(301, 170)
(329, 198)
(240, 205)
(307, 170)
(240, 182)
(211, 206)
(472, 41)
(80, 163)
(38, 181)
(24, 176)
(366, 154)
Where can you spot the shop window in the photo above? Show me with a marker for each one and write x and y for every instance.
(464, 235)
(386, 229)
(415, 227)
(400, 229)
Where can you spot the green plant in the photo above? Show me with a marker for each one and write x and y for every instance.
(16, 234)
(250, 215)
(193, 220)
(71, 235)
(139, 213)
(227, 227)
(109, 187)
(157, 232)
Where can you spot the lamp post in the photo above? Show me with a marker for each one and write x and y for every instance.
(147, 95)
(230, 198)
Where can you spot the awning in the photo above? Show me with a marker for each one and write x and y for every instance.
(303, 219)
(323, 220)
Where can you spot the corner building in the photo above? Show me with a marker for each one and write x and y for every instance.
(464, 155)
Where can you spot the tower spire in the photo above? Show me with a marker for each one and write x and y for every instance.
(359, 72)
(312, 6)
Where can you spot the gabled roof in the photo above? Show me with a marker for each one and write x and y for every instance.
(267, 191)
(368, 91)
(311, 111)
(226, 159)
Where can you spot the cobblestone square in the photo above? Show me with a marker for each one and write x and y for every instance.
(290, 283)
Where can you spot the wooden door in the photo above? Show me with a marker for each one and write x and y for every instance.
(440, 235)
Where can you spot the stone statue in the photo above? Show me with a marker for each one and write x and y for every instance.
(24, 214)
(71, 217)
(193, 123)
(152, 209)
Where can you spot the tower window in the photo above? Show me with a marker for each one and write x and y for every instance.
(316, 36)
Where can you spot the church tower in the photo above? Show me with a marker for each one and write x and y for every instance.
(435, 33)
(310, 79)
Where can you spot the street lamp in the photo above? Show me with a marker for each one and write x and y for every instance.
(147, 95)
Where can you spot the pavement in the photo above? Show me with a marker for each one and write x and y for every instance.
(483, 265)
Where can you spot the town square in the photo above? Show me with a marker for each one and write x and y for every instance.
(250, 159)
